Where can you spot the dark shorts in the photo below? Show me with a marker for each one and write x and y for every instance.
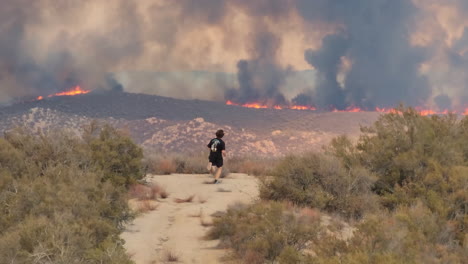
(216, 161)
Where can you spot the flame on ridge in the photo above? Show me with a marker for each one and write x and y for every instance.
(74, 91)
(277, 107)
(350, 109)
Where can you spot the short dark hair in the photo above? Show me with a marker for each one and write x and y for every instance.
(219, 133)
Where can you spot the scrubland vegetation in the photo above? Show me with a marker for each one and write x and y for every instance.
(397, 195)
(195, 163)
(63, 198)
(403, 187)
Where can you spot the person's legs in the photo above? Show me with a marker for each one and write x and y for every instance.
(213, 170)
(218, 173)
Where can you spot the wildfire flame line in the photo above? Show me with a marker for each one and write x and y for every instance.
(75, 91)
(351, 109)
(277, 107)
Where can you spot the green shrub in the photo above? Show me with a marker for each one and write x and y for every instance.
(321, 181)
(403, 184)
(266, 231)
(58, 204)
(409, 235)
(117, 156)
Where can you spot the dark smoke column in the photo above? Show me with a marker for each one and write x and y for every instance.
(375, 38)
(261, 77)
(327, 61)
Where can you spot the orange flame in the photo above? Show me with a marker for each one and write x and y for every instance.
(303, 107)
(75, 91)
(352, 109)
(277, 107)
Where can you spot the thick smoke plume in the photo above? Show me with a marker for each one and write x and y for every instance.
(365, 53)
(261, 77)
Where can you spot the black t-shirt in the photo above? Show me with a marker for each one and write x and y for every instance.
(216, 146)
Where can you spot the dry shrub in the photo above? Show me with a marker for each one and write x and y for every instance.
(171, 256)
(199, 214)
(186, 200)
(252, 165)
(146, 206)
(142, 192)
(190, 163)
(163, 193)
(167, 166)
(138, 191)
(205, 223)
(63, 196)
(254, 257)
(262, 232)
(321, 181)
(201, 199)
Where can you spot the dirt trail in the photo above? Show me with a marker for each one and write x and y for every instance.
(177, 227)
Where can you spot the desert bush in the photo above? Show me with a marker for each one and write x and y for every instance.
(404, 185)
(251, 165)
(167, 163)
(195, 163)
(266, 232)
(58, 204)
(416, 159)
(410, 234)
(145, 206)
(189, 199)
(321, 181)
(118, 157)
(143, 192)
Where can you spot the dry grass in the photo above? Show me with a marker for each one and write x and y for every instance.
(206, 223)
(223, 190)
(252, 165)
(167, 166)
(189, 163)
(199, 214)
(143, 192)
(186, 200)
(208, 182)
(146, 206)
(201, 199)
(195, 163)
(163, 193)
(171, 256)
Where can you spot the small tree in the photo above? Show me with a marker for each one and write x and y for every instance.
(118, 156)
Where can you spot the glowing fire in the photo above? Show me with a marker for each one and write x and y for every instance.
(351, 109)
(277, 107)
(75, 91)
(303, 107)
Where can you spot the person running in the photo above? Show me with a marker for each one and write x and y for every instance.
(217, 152)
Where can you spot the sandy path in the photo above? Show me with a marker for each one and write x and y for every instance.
(176, 227)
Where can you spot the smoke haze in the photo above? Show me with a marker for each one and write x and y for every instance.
(330, 54)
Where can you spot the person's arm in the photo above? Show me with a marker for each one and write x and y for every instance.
(223, 152)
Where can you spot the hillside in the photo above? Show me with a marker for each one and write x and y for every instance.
(167, 124)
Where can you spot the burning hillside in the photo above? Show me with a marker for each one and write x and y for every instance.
(165, 124)
(75, 91)
(351, 109)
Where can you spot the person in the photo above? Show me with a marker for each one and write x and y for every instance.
(217, 152)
